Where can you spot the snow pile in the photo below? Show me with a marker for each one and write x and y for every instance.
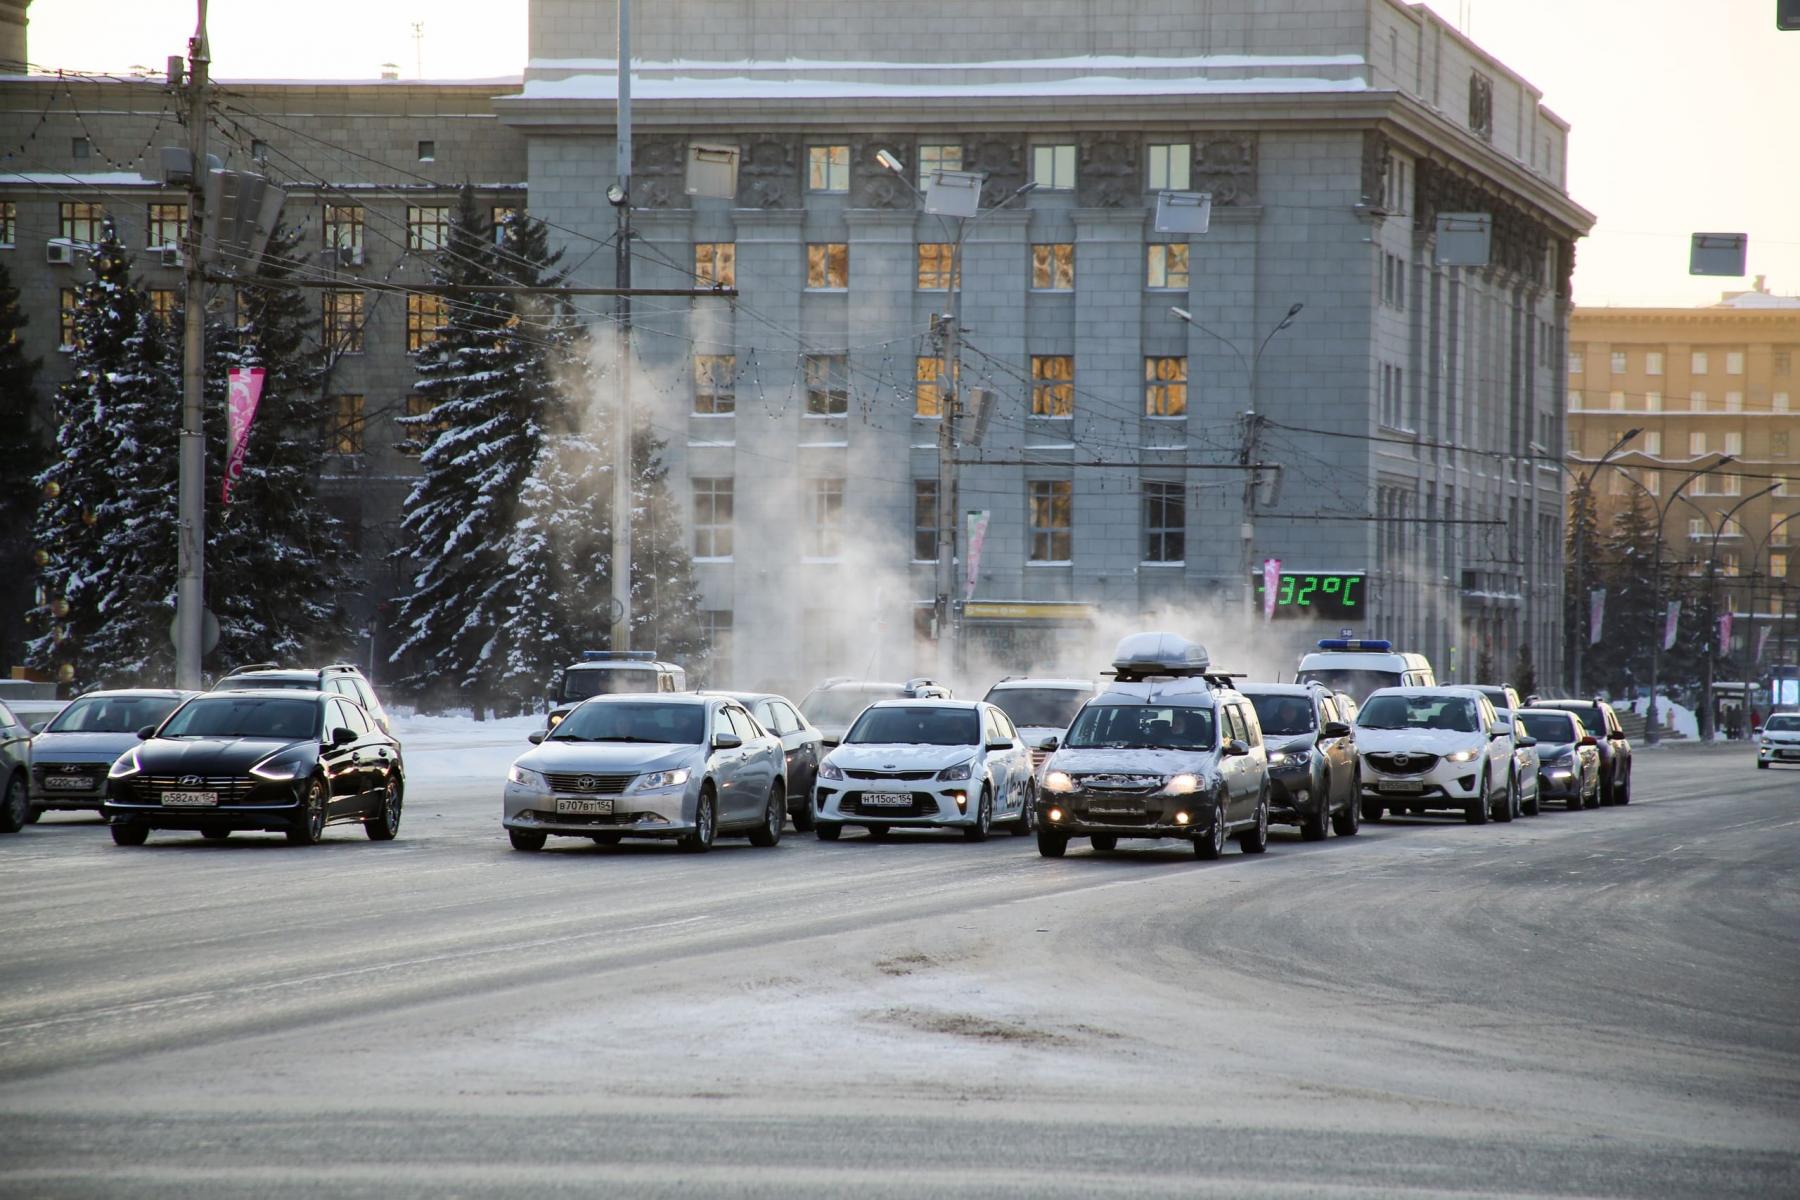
(461, 748)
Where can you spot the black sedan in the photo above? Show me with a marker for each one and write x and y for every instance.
(258, 760)
(801, 742)
(1615, 748)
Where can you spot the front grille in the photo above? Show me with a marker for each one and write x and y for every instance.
(897, 776)
(1109, 782)
(232, 789)
(1403, 764)
(91, 774)
(598, 820)
(924, 804)
(589, 785)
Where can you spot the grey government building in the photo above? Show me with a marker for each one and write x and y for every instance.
(1401, 406)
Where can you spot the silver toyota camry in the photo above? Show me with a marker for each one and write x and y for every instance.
(678, 766)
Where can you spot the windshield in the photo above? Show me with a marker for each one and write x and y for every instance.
(1358, 683)
(580, 683)
(1784, 724)
(1050, 707)
(665, 723)
(1455, 713)
(1284, 716)
(912, 725)
(113, 714)
(246, 717)
(1141, 727)
(1496, 696)
(839, 706)
(1548, 727)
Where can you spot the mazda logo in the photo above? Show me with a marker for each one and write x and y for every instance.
(190, 781)
(1400, 760)
(588, 783)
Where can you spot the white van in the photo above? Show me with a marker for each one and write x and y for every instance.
(1361, 666)
(607, 672)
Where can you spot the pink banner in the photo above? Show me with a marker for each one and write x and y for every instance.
(242, 396)
(978, 525)
(1671, 623)
(1271, 586)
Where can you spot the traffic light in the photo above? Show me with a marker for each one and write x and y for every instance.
(1787, 14)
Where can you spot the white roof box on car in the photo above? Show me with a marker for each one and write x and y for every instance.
(1143, 654)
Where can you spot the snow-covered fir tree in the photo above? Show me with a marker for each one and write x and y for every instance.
(22, 457)
(665, 600)
(107, 523)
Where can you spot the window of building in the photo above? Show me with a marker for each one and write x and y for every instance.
(1167, 265)
(715, 384)
(715, 623)
(1653, 482)
(1697, 530)
(1619, 362)
(826, 537)
(1781, 362)
(1697, 362)
(712, 518)
(1052, 520)
(1778, 402)
(1778, 566)
(1393, 281)
(1577, 362)
(67, 331)
(427, 151)
(934, 266)
(163, 303)
(1697, 443)
(425, 315)
(925, 520)
(1653, 442)
(928, 386)
(1779, 445)
(1169, 164)
(415, 437)
(81, 147)
(164, 224)
(9, 223)
(1615, 401)
(1780, 487)
(259, 150)
(1574, 401)
(938, 157)
(1731, 485)
(1734, 362)
(341, 326)
(1053, 266)
(828, 168)
(1697, 402)
(1734, 402)
(344, 231)
(1729, 565)
(1734, 442)
(500, 216)
(427, 226)
(1053, 385)
(1053, 167)
(80, 221)
(827, 384)
(1393, 397)
(1165, 522)
(1165, 386)
(1778, 528)
(1653, 402)
(827, 265)
(346, 433)
(1653, 362)
(715, 264)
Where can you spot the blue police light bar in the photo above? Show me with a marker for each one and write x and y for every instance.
(618, 655)
(1378, 645)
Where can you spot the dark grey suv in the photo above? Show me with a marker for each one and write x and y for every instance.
(1313, 769)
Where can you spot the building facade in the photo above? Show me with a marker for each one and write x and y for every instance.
(1395, 415)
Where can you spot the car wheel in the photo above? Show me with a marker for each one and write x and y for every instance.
(1257, 840)
(774, 818)
(1027, 815)
(311, 829)
(803, 816)
(828, 831)
(1348, 819)
(1316, 826)
(526, 839)
(1371, 810)
(384, 823)
(1479, 812)
(1622, 793)
(877, 831)
(984, 818)
(33, 813)
(1536, 804)
(1052, 844)
(1603, 795)
(1760, 765)
(705, 813)
(1104, 841)
(129, 833)
(215, 834)
(1212, 845)
(15, 807)
(1509, 804)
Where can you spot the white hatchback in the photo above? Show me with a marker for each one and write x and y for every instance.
(1779, 740)
(1434, 748)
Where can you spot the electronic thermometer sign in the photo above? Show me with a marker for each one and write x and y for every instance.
(1337, 596)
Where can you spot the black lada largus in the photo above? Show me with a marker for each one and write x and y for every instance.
(1168, 750)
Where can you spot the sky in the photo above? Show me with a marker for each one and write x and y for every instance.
(1683, 111)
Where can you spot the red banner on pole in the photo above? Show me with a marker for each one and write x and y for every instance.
(1271, 581)
(244, 393)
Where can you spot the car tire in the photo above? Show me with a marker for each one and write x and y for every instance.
(1371, 810)
(876, 831)
(1348, 819)
(828, 831)
(1212, 845)
(1479, 812)
(1761, 765)
(1104, 841)
(32, 814)
(803, 816)
(129, 833)
(1256, 840)
(383, 825)
(1316, 827)
(1603, 795)
(311, 829)
(1027, 815)
(774, 818)
(15, 807)
(1536, 805)
(984, 818)
(1052, 844)
(526, 839)
(706, 812)
(215, 834)
(1509, 804)
(1622, 793)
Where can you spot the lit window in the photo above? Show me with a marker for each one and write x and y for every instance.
(1165, 386)
(1778, 529)
(1053, 167)
(1168, 265)
(341, 327)
(1169, 166)
(346, 433)
(344, 232)
(165, 224)
(427, 226)
(826, 537)
(935, 266)
(925, 520)
(1778, 566)
(1778, 402)
(1053, 385)
(827, 384)
(9, 223)
(425, 315)
(827, 265)
(715, 264)
(1053, 266)
(68, 305)
(715, 387)
(1052, 519)
(933, 159)
(1165, 522)
(712, 518)
(828, 168)
(80, 221)
(928, 390)
(163, 303)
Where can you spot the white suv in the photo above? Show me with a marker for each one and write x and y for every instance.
(1439, 748)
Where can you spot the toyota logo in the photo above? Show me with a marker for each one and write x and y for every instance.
(588, 783)
(190, 781)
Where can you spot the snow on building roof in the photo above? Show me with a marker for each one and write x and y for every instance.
(605, 87)
(1758, 300)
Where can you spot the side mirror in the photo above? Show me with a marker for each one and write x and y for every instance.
(1498, 729)
(999, 745)
(537, 736)
(1048, 745)
(1528, 742)
(1589, 740)
(342, 737)
(146, 733)
(1335, 729)
(1236, 749)
(41, 725)
(726, 741)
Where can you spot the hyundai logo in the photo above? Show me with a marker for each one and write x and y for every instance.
(588, 783)
(190, 781)
(70, 769)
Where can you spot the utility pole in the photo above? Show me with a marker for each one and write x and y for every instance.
(947, 624)
(1583, 602)
(190, 595)
(620, 196)
(1247, 457)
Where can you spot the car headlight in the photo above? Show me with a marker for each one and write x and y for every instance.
(1181, 785)
(126, 766)
(277, 770)
(1462, 756)
(1058, 781)
(657, 780)
(830, 770)
(959, 771)
(525, 777)
(1298, 758)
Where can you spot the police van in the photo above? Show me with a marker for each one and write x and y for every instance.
(608, 672)
(1362, 666)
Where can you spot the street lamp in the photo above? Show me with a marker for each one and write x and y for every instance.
(1252, 429)
(1584, 494)
(949, 634)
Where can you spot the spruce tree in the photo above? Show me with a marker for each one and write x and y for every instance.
(665, 600)
(107, 524)
(1633, 617)
(22, 457)
(1580, 550)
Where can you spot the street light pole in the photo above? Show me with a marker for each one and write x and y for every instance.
(1586, 498)
(190, 488)
(1707, 724)
(620, 197)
